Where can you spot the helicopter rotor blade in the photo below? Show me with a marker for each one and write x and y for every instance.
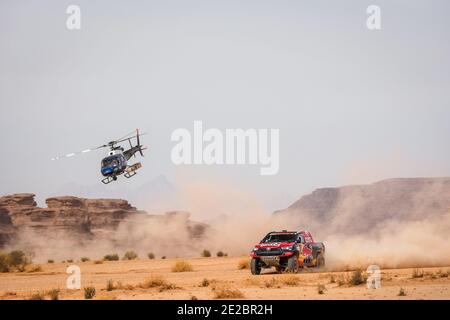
(108, 145)
(125, 139)
(70, 155)
(128, 134)
(121, 139)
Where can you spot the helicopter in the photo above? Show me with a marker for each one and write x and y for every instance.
(116, 163)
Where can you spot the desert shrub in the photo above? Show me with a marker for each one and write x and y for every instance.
(402, 292)
(130, 255)
(272, 283)
(215, 284)
(9, 294)
(228, 294)
(220, 254)
(121, 286)
(341, 280)
(111, 257)
(163, 257)
(110, 285)
(321, 288)
(69, 260)
(128, 287)
(18, 260)
(356, 278)
(53, 294)
(168, 286)
(332, 279)
(204, 283)
(194, 298)
(182, 266)
(50, 261)
(98, 262)
(17, 257)
(85, 259)
(151, 256)
(33, 268)
(4, 262)
(206, 253)
(290, 280)
(253, 281)
(243, 264)
(37, 296)
(15, 260)
(417, 273)
(153, 281)
(89, 292)
(443, 274)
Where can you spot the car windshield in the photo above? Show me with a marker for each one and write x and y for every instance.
(281, 237)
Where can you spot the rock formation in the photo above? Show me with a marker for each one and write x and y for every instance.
(83, 219)
(360, 208)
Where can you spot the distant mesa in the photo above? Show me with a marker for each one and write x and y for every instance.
(357, 209)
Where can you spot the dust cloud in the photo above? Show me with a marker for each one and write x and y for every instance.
(230, 219)
(353, 238)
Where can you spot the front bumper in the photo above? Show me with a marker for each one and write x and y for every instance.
(281, 254)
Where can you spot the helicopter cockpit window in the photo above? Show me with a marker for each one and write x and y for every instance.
(110, 162)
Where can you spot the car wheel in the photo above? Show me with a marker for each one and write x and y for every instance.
(279, 269)
(255, 266)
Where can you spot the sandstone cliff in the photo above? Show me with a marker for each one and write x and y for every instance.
(76, 222)
(362, 208)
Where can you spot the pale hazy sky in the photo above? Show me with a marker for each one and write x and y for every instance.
(352, 105)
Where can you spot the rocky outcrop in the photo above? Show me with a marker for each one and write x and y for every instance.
(11, 207)
(362, 208)
(82, 219)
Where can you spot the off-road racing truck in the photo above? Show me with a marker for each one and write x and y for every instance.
(287, 251)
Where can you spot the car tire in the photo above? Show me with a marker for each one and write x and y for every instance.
(279, 269)
(292, 265)
(255, 266)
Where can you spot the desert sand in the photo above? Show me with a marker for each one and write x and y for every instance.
(222, 274)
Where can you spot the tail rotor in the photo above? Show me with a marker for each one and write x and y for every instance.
(139, 143)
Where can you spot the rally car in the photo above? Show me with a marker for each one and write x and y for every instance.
(287, 251)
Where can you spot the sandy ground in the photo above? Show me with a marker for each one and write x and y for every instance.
(222, 274)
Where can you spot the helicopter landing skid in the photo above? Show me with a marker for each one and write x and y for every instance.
(130, 171)
(109, 180)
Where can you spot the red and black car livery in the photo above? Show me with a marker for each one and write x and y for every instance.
(287, 251)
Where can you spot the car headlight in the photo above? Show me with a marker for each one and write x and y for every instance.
(290, 248)
(255, 249)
